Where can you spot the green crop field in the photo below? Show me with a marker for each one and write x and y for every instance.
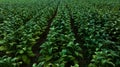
(59, 33)
(16, 1)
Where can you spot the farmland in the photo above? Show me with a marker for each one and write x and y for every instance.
(59, 33)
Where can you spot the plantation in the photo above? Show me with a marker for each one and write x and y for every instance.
(59, 33)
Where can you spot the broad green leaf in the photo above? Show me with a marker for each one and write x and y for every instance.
(25, 59)
(3, 48)
(2, 42)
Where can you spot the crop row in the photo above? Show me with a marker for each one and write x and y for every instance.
(59, 50)
(60, 33)
(97, 31)
(17, 36)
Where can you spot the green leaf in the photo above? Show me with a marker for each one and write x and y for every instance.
(21, 51)
(3, 48)
(30, 53)
(111, 64)
(48, 58)
(2, 42)
(64, 51)
(92, 65)
(76, 65)
(25, 59)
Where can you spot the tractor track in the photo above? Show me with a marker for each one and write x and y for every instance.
(41, 40)
(43, 37)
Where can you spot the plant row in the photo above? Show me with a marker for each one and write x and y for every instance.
(17, 36)
(98, 31)
(59, 50)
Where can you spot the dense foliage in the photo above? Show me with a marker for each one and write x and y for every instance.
(60, 33)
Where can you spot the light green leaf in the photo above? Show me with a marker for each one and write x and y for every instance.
(2, 48)
(2, 42)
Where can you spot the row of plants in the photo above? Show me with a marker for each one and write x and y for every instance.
(18, 36)
(98, 30)
(84, 33)
(24, 12)
(59, 50)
